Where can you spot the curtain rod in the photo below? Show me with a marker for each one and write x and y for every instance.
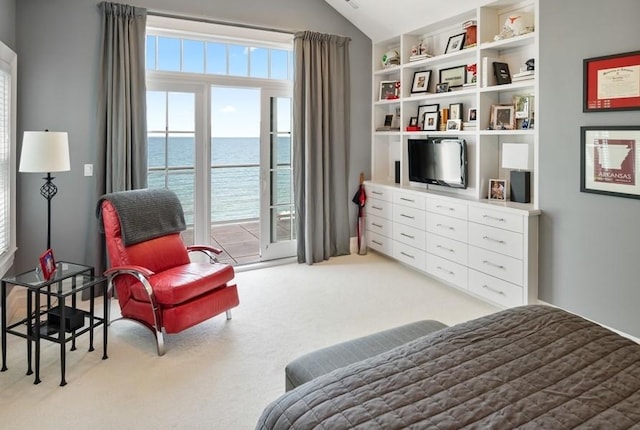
(213, 21)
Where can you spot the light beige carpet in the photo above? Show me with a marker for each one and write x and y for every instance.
(220, 375)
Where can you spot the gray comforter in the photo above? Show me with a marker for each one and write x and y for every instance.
(528, 367)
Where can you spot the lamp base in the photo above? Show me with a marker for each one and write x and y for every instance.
(520, 186)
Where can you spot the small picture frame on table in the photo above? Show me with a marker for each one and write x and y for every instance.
(455, 111)
(47, 264)
(421, 82)
(413, 121)
(430, 121)
(455, 43)
(501, 72)
(454, 124)
(498, 189)
(472, 115)
(389, 90)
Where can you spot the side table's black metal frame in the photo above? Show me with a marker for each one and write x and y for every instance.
(69, 273)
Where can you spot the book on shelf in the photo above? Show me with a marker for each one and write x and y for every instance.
(488, 78)
(525, 73)
(469, 23)
(419, 57)
(522, 78)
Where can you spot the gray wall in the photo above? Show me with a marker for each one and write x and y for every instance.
(589, 243)
(7, 23)
(57, 45)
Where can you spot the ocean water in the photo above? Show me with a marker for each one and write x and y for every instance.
(235, 178)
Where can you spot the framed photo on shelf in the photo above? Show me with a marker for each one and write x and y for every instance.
(612, 82)
(455, 111)
(608, 160)
(421, 82)
(454, 124)
(389, 90)
(442, 88)
(455, 43)
(454, 76)
(472, 115)
(501, 72)
(422, 109)
(523, 106)
(503, 117)
(498, 189)
(413, 121)
(430, 121)
(47, 264)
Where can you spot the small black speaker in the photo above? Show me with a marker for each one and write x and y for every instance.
(397, 172)
(520, 186)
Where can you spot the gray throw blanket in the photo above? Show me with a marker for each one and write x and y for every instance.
(145, 214)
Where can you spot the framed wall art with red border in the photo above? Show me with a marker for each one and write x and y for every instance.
(612, 82)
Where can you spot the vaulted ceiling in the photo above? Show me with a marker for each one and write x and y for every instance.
(383, 19)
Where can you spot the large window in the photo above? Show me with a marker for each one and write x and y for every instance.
(7, 157)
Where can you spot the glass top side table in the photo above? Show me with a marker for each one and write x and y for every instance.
(63, 323)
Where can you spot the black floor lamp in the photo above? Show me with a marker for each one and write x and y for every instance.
(45, 152)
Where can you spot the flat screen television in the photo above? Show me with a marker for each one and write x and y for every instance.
(438, 161)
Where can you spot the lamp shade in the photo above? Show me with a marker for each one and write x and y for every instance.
(515, 156)
(44, 151)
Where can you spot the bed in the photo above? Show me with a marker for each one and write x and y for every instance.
(527, 367)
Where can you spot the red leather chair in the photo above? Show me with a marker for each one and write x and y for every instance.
(156, 282)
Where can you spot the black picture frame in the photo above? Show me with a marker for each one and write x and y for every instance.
(422, 109)
(455, 43)
(501, 72)
(604, 92)
(421, 82)
(612, 172)
(388, 90)
(431, 121)
(455, 111)
(454, 76)
(413, 121)
(442, 88)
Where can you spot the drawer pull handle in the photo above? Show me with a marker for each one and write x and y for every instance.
(376, 208)
(407, 216)
(490, 239)
(446, 249)
(448, 272)
(493, 290)
(489, 263)
(407, 255)
(445, 226)
(376, 242)
(444, 207)
(376, 192)
(376, 225)
(407, 235)
(407, 200)
(495, 218)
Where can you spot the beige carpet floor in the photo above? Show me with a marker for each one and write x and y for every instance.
(220, 375)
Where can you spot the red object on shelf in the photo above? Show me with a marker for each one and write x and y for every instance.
(413, 128)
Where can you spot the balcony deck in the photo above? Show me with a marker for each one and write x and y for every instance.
(240, 242)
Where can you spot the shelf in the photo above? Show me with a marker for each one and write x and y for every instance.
(439, 59)
(525, 132)
(519, 85)
(513, 42)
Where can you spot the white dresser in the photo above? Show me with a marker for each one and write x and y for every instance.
(488, 249)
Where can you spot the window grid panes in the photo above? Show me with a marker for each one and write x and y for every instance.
(175, 54)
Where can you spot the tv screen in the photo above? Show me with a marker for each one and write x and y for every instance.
(438, 161)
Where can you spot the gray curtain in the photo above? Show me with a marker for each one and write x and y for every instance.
(321, 145)
(121, 148)
(122, 113)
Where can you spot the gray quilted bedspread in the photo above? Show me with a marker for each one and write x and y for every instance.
(532, 367)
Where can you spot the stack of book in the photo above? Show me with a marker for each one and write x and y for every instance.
(470, 125)
(523, 76)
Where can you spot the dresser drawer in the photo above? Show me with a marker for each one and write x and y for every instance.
(446, 207)
(379, 225)
(379, 208)
(380, 243)
(409, 255)
(409, 216)
(495, 218)
(447, 248)
(409, 235)
(452, 228)
(409, 199)
(446, 270)
(496, 239)
(498, 265)
(377, 192)
(496, 290)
